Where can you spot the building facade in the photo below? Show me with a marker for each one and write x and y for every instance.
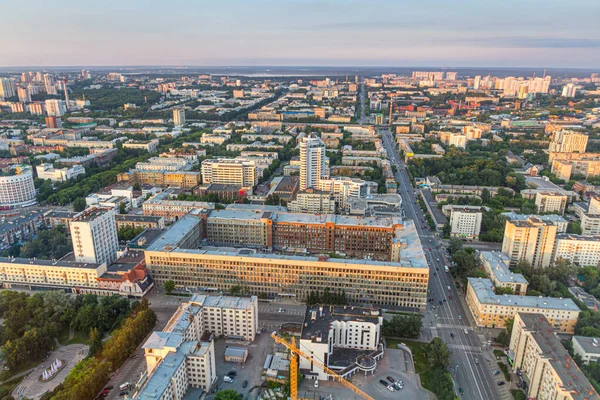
(465, 221)
(578, 249)
(492, 311)
(550, 202)
(17, 189)
(542, 363)
(313, 162)
(230, 171)
(530, 240)
(94, 235)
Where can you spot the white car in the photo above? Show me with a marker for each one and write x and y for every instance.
(390, 388)
(466, 331)
(316, 383)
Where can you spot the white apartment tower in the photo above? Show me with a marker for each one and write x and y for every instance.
(94, 235)
(313, 165)
(179, 116)
(7, 87)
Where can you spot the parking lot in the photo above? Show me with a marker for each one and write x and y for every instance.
(251, 371)
(396, 363)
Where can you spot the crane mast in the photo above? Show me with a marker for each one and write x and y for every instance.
(295, 352)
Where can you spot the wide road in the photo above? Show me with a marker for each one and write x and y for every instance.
(469, 369)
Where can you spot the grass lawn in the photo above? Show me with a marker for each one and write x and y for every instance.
(79, 338)
(504, 369)
(499, 353)
(63, 337)
(518, 394)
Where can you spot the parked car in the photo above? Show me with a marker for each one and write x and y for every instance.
(228, 379)
(501, 383)
(461, 391)
(316, 383)
(245, 384)
(389, 378)
(451, 335)
(495, 372)
(384, 383)
(232, 373)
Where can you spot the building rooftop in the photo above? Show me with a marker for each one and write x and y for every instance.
(589, 344)
(255, 207)
(484, 290)
(237, 214)
(579, 238)
(91, 214)
(171, 238)
(318, 319)
(573, 380)
(146, 238)
(498, 262)
(66, 261)
(231, 302)
(137, 218)
(554, 218)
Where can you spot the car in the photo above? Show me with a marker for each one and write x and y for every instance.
(476, 361)
(398, 386)
(450, 297)
(459, 317)
(281, 310)
(495, 372)
(316, 383)
(441, 302)
(438, 259)
(449, 288)
(384, 383)
(466, 331)
(451, 334)
(232, 373)
(122, 393)
(461, 391)
(104, 392)
(437, 268)
(501, 383)
(109, 387)
(433, 307)
(245, 384)
(435, 274)
(389, 378)
(430, 249)
(228, 379)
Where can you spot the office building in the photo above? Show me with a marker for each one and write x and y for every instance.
(542, 364)
(161, 178)
(171, 210)
(176, 256)
(179, 116)
(588, 348)
(465, 221)
(330, 333)
(230, 171)
(565, 141)
(496, 265)
(7, 88)
(313, 162)
(530, 240)
(139, 221)
(164, 164)
(579, 250)
(569, 90)
(94, 235)
(550, 202)
(345, 189)
(313, 201)
(16, 188)
(491, 310)
(47, 171)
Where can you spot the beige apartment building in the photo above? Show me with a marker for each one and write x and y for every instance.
(545, 366)
(564, 169)
(229, 171)
(496, 265)
(530, 240)
(550, 202)
(313, 201)
(565, 141)
(491, 310)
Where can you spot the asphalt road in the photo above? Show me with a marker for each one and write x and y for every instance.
(469, 368)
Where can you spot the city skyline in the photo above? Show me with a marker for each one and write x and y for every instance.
(304, 33)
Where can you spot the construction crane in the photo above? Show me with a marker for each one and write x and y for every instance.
(294, 353)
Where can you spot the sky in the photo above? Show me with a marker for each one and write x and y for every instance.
(450, 33)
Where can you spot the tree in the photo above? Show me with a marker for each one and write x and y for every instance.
(503, 339)
(405, 326)
(122, 208)
(228, 394)
(437, 353)
(79, 204)
(169, 286)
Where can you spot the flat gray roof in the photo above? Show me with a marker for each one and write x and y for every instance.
(173, 236)
(497, 261)
(484, 290)
(590, 345)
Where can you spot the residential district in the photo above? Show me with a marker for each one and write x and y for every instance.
(198, 236)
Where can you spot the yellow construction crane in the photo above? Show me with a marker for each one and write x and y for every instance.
(294, 353)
